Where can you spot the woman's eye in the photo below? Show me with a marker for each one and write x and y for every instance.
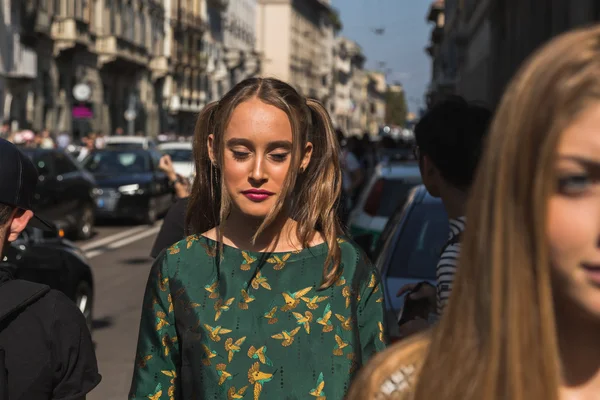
(574, 184)
(279, 157)
(240, 155)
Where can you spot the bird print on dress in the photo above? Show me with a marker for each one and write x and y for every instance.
(293, 299)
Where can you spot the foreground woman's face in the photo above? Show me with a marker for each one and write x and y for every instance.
(574, 215)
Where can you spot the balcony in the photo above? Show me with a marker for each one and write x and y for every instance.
(113, 48)
(19, 61)
(160, 67)
(68, 33)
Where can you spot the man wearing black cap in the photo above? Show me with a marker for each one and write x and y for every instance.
(46, 351)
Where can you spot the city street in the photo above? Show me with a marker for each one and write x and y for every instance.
(120, 262)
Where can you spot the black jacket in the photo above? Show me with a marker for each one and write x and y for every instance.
(173, 227)
(46, 351)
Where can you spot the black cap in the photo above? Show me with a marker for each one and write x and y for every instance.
(18, 178)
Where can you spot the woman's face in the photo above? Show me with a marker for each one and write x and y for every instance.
(257, 156)
(574, 215)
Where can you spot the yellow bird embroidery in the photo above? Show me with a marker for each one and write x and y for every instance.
(381, 333)
(173, 375)
(190, 240)
(232, 394)
(259, 281)
(190, 306)
(258, 379)
(213, 333)
(340, 346)
(346, 322)
(279, 262)
(260, 354)
(162, 282)
(293, 299)
(157, 393)
(170, 300)
(373, 281)
(340, 240)
(304, 320)
(313, 303)
(174, 249)
(168, 343)
(271, 316)
(209, 354)
(248, 261)
(224, 375)
(211, 251)
(246, 299)
(221, 307)
(287, 337)
(379, 300)
(326, 319)
(232, 347)
(341, 281)
(161, 321)
(213, 289)
(142, 361)
(347, 293)
(318, 391)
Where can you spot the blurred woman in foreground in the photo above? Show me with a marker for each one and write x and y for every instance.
(523, 321)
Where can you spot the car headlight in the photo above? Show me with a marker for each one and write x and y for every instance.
(131, 189)
(95, 192)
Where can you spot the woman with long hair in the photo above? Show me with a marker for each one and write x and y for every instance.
(523, 321)
(265, 299)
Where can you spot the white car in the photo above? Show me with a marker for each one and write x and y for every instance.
(388, 187)
(182, 157)
(141, 142)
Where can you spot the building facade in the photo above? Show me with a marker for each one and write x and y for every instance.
(483, 42)
(293, 36)
(350, 86)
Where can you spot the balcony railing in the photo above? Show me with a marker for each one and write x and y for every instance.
(111, 48)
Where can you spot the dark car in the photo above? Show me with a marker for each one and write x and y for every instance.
(409, 248)
(41, 257)
(130, 184)
(65, 192)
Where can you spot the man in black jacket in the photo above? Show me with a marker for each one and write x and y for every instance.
(46, 351)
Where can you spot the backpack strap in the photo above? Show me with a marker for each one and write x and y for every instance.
(452, 241)
(16, 295)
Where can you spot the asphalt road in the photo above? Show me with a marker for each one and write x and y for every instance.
(120, 260)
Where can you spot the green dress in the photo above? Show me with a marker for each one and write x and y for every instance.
(248, 325)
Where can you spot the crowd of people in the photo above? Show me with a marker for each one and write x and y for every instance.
(260, 294)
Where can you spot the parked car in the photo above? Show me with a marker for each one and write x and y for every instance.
(387, 188)
(65, 192)
(409, 248)
(130, 184)
(139, 142)
(182, 157)
(50, 259)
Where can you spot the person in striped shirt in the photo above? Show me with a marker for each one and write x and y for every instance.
(449, 141)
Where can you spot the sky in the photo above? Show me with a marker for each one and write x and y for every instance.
(401, 47)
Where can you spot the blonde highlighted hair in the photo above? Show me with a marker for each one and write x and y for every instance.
(314, 192)
(497, 338)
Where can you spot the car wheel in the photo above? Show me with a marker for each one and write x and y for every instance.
(85, 225)
(84, 297)
(151, 215)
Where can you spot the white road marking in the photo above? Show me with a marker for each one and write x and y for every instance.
(112, 238)
(122, 240)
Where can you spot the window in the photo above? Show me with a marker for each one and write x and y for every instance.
(418, 248)
(57, 7)
(63, 164)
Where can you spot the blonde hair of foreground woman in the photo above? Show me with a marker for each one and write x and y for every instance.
(497, 338)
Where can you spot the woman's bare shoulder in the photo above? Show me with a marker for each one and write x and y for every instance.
(392, 374)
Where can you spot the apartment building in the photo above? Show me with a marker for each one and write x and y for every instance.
(293, 37)
(239, 40)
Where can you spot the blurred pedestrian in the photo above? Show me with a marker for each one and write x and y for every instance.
(46, 351)
(449, 141)
(63, 140)
(257, 299)
(45, 140)
(523, 321)
(352, 176)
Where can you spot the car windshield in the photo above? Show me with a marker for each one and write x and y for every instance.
(179, 155)
(394, 192)
(421, 240)
(113, 162)
(120, 145)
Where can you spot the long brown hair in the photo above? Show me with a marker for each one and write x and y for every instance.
(497, 337)
(311, 195)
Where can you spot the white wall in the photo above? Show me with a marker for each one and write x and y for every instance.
(274, 39)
